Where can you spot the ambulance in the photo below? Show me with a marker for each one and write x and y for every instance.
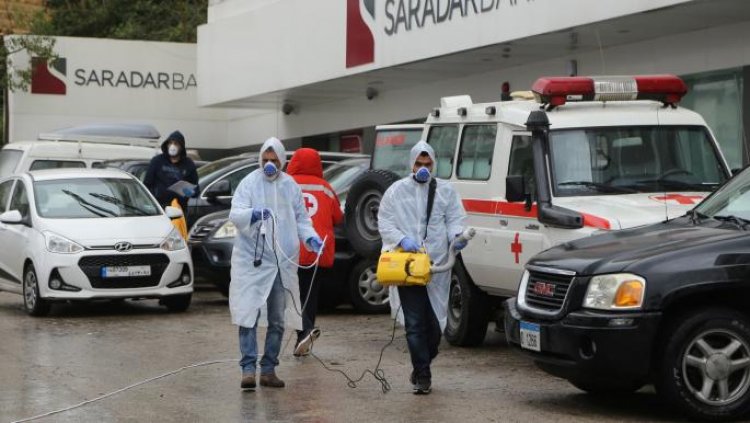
(576, 156)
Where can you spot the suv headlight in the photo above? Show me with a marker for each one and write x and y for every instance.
(227, 230)
(173, 241)
(619, 291)
(58, 244)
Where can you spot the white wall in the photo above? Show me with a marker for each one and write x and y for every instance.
(698, 51)
(101, 102)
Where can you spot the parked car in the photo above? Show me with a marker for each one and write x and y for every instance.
(212, 239)
(89, 234)
(665, 304)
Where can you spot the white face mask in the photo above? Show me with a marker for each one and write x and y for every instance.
(173, 150)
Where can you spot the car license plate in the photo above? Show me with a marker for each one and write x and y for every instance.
(530, 336)
(125, 271)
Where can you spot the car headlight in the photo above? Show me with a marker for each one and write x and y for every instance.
(619, 291)
(173, 241)
(58, 244)
(227, 230)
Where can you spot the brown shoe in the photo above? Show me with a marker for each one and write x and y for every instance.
(248, 381)
(271, 380)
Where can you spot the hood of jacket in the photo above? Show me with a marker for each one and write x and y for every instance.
(305, 161)
(275, 145)
(180, 139)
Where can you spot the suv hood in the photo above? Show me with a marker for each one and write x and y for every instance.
(656, 248)
(625, 211)
(101, 232)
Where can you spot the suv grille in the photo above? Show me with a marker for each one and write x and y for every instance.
(92, 267)
(547, 291)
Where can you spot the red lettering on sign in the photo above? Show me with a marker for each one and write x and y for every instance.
(516, 248)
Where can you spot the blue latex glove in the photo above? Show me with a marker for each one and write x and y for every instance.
(459, 245)
(315, 244)
(260, 214)
(188, 192)
(409, 245)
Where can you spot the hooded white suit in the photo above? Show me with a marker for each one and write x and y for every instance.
(251, 286)
(403, 213)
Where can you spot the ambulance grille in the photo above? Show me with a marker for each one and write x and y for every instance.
(547, 291)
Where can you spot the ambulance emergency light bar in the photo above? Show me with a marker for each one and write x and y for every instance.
(556, 91)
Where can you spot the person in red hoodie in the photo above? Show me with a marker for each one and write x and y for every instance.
(325, 211)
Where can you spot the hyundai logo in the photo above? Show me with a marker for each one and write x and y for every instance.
(123, 247)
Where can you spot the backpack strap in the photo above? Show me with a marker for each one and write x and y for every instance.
(430, 201)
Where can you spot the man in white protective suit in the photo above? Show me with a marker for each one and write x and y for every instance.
(271, 220)
(403, 222)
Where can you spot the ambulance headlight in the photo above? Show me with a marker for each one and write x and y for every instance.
(227, 230)
(621, 291)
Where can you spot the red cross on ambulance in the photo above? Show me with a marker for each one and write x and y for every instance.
(516, 248)
(679, 198)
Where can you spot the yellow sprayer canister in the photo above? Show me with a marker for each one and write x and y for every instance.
(399, 268)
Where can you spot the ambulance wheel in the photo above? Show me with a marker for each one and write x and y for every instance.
(705, 364)
(177, 303)
(367, 295)
(362, 205)
(468, 310)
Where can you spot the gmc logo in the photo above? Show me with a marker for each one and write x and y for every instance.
(544, 289)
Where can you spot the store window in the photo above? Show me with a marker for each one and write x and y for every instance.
(717, 96)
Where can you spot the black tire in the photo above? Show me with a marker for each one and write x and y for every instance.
(362, 204)
(694, 355)
(366, 294)
(468, 310)
(177, 303)
(33, 302)
(607, 386)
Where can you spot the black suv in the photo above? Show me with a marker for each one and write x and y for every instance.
(667, 304)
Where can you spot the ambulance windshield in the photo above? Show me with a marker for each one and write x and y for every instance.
(623, 160)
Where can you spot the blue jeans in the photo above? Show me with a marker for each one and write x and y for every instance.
(276, 304)
(422, 328)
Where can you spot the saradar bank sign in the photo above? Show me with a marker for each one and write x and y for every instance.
(134, 79)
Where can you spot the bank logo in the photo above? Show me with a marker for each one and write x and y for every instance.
(360, 42)
(47, 78)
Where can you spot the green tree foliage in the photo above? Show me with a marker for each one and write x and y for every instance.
(152, 20)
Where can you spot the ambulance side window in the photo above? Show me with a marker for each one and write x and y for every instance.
(475, 155)
(443, 139)
(522, 161)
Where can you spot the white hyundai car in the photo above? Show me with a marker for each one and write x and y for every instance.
(73, 234)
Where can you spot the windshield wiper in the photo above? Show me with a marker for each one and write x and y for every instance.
(93, 208)
(114, 200)
(681, 184)
(738, 221)
(695, 216)
(600, 187)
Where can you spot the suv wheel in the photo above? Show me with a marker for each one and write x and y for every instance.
(362, 205)
(705, 368)
(468, 310)
(33, 302)
(177, 303)
(367, 295)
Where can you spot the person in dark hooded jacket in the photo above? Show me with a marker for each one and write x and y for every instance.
(325, 211)
(170, 167)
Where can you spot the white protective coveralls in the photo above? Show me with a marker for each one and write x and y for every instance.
(250, 285)
(403, 213)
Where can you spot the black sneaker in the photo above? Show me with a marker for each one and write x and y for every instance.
(423, 386)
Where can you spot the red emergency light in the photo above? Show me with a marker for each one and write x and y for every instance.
(556, 91)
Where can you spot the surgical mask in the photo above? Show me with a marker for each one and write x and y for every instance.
(422, 175)
(173, 150)
(270, 170)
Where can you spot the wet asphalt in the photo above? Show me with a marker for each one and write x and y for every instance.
(82, 351)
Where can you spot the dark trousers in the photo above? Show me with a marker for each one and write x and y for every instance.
(311, 309)
(422, 328)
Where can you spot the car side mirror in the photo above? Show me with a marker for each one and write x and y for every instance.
(173, 212)
(12, 217)
(219, 189)
(515, 188)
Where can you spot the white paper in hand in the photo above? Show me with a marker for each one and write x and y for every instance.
(179, 186)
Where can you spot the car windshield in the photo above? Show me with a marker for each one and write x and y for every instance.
(392, 149)
(731, 200)
(341, 176)
(93, 198)
(596, 161)
(8, 161)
